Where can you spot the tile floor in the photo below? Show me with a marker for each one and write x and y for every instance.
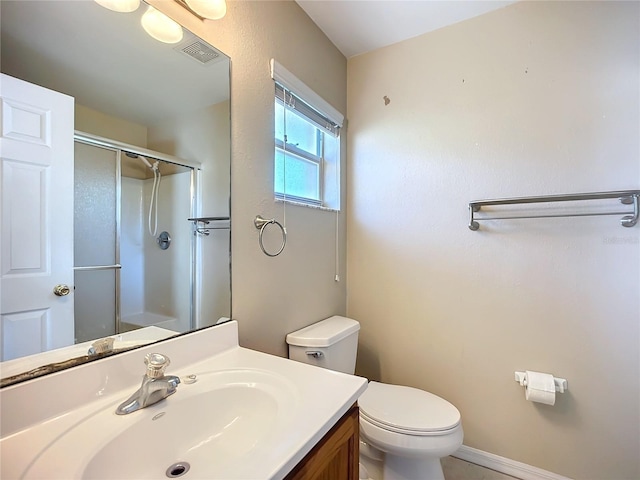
(456, 469)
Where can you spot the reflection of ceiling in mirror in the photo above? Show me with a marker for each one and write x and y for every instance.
(80, 48)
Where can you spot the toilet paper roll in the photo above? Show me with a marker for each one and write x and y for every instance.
(540, 388)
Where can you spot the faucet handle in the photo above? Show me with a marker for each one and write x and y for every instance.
(156, 364)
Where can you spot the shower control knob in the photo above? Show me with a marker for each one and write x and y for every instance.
(163, 240)
(61, 290)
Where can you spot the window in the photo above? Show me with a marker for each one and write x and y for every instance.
(307, 151)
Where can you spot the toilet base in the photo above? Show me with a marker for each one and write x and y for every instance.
(403, 468)
(370, 469)
(393, 467)
(400, 468)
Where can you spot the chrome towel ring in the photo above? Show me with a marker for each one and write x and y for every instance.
(261, 224)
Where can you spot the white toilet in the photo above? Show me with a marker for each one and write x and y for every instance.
(404, 431)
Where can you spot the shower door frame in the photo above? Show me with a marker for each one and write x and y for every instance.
(118, 148)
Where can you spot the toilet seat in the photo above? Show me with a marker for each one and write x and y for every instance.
(407, 410)
(410, 445)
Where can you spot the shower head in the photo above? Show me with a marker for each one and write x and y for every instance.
(135, 155)
(146, 162)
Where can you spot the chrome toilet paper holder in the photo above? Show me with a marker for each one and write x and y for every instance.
(560, 383)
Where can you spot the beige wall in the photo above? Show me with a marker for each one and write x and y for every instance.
(92, 121)
(200, 136)
(203, 136)
(273, 296)
(536, 98)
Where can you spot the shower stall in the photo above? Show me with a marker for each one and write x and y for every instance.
(134, 249)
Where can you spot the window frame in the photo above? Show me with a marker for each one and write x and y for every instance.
(290, 149)
(293, 96)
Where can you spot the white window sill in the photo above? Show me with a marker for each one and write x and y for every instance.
(302, 204)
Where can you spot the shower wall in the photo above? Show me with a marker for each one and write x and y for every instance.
(131, 249)
(156, 283)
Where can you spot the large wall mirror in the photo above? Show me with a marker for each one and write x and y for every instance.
(149, 187)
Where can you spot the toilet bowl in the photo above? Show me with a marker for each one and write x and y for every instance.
(404, 431)
(412, 428)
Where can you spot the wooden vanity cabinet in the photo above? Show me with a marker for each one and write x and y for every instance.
(335, 457)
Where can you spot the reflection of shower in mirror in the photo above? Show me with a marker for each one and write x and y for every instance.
(117, 188)
(155, 192)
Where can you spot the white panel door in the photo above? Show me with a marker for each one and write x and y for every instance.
(36, 218)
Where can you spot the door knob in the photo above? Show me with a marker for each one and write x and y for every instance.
(61, 290)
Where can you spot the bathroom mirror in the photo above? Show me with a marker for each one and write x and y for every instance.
(151, 109)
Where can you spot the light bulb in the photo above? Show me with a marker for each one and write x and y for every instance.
(161, 27)
(211, 9)
(123, 6)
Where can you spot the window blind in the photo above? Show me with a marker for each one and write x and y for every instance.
(305, 100)
(292, 101)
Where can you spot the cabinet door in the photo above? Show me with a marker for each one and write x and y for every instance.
(335, 457)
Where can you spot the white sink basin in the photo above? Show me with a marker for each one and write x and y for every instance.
(211, 426)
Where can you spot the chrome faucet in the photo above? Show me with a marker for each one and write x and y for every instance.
(155, 385)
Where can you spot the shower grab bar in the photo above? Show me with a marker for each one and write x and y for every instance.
(627, 197)
(116, 266)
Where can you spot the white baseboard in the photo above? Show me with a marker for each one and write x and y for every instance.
(505, 465)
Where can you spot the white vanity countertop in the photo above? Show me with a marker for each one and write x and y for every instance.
(39, 416)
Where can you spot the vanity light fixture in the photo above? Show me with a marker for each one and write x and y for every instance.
(161, 27)
(122, 6)
(205, 9)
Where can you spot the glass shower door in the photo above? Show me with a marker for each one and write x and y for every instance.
(97, 190)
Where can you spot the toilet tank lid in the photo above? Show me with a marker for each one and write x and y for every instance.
(324, 333)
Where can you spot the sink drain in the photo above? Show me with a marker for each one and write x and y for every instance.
(177, 469)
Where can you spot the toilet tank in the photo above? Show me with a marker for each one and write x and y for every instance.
(330, 343)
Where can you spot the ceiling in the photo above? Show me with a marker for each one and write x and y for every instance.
(360, 26)
(105, 60)
(80, 48)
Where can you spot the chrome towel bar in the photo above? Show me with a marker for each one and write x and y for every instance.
(627, 197)
(202, 228)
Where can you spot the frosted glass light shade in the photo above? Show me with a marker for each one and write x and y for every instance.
(161, 27)
(123, 6)
(211, 9)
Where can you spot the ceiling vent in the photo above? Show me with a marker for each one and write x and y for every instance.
(199, 50)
